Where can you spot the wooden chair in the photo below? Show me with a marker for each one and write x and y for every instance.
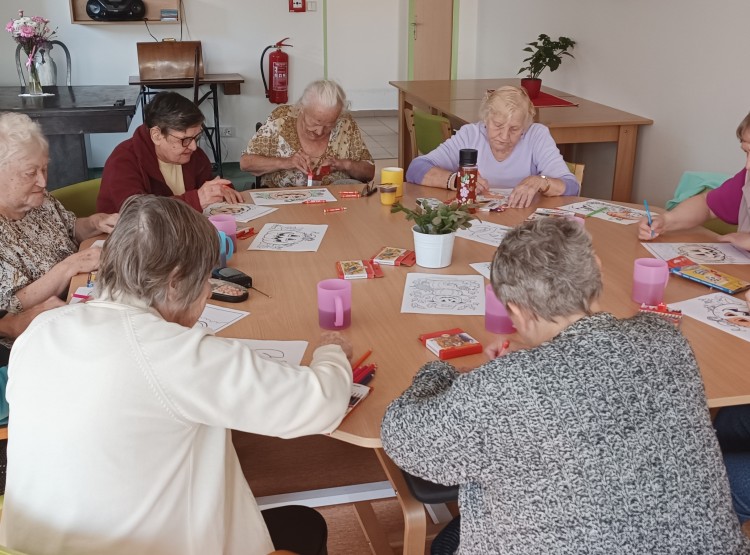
(21, 63)
(426, 131)
(79, 198)
(577, 170)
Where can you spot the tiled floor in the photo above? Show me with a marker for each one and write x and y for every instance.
(380, 134)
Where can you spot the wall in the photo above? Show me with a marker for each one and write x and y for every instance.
(673, 61)
(234, 33)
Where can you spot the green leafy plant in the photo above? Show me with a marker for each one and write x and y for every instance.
(546, 53)
(440, 219)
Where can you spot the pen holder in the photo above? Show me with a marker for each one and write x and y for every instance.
(226, 249)
(393, 176)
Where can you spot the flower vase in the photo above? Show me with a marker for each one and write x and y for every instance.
(33, 82)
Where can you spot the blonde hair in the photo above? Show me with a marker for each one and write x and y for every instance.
(19, 136)
(505, 102)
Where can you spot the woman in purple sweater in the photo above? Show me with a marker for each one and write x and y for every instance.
(514, 152)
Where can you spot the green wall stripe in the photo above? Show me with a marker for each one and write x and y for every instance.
(325, 39)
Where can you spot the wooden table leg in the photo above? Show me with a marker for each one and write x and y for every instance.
(622, 186)
(415, 517)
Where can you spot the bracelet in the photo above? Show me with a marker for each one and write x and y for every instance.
(451, 183)
(546, 188)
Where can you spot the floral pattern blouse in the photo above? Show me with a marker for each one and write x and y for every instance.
(278, 138)
(31, 246)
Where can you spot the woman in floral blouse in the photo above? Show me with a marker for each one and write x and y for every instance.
(316, 137)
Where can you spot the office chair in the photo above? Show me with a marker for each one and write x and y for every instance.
(426, 131)
(79, 198)
(20, 65)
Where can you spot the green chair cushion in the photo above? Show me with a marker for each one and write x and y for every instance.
(79, 198)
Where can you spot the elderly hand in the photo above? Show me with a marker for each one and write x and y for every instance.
(741, 239)
(497, 348)
(216, 190)
(84, 261)
(482, 185)
(104, 223)
(335, 338)
(523, 194)
(298, 161)
(646, 232)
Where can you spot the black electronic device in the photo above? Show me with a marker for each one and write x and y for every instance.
(233, 275)
(116, 10)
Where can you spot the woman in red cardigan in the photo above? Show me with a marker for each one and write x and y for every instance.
(163, 158)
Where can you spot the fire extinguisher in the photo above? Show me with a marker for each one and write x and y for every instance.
(278, 73)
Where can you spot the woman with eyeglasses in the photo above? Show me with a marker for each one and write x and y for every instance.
(314, 140)
(163, 158)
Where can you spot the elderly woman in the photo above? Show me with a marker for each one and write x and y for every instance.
(317, 137)
(592, 436)
(163, 158)
(730, 202)
(513, 152)
(38, 237)
(144, 461)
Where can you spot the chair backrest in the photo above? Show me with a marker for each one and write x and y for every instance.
(79, 198)
(426, 131)
(577, 170)
(21, 63)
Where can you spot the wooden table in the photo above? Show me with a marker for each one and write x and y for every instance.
(377, 324)
(67, 116)
(230, 85)
(589, 122)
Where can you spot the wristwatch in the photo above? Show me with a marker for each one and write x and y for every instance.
(546, 186)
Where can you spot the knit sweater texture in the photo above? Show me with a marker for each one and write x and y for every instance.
(598, 441)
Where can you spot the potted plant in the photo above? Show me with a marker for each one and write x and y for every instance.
(435, 226)
(545, 53)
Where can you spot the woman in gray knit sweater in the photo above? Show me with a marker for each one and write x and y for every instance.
(592, 438)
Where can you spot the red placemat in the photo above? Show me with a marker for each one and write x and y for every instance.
(545, 100)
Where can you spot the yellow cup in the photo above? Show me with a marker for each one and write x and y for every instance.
(388, 194)
(393, 176)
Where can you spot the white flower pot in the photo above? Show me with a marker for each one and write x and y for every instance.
(433, 251)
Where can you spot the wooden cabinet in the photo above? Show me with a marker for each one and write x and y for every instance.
(153, 12)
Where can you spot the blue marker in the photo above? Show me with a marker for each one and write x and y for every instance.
(648, 216)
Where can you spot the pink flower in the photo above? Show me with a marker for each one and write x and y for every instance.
(9, 26)
(26, 31)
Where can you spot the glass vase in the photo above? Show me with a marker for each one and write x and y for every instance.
(33, 83)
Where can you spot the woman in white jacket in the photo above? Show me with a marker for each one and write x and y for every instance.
(122, 409)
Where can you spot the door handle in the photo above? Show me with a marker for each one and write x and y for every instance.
(414, 29)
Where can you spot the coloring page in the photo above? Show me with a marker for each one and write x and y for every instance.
(290, 352)
(720, 311)
(290, 196)
(443, 294)
(289, 238)
(501, 195)
(484, 232)
(216, 318)
(482, 268)
(241, 212)
(700, 253)
(606, 211)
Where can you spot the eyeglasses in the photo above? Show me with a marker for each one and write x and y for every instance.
(187, 140)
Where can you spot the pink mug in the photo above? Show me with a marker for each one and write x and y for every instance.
(650, 277)
(496, 318)
(334, 304)
(227, 224)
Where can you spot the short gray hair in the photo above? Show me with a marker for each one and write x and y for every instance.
(157, 239)
(19, 135)
(324, 94)
(504, 102)
(547, 267)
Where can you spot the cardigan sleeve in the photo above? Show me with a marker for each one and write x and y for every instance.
(433, 430)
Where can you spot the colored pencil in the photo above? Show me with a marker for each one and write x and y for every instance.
(361, 359)
(602, 209)
(648, 216)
